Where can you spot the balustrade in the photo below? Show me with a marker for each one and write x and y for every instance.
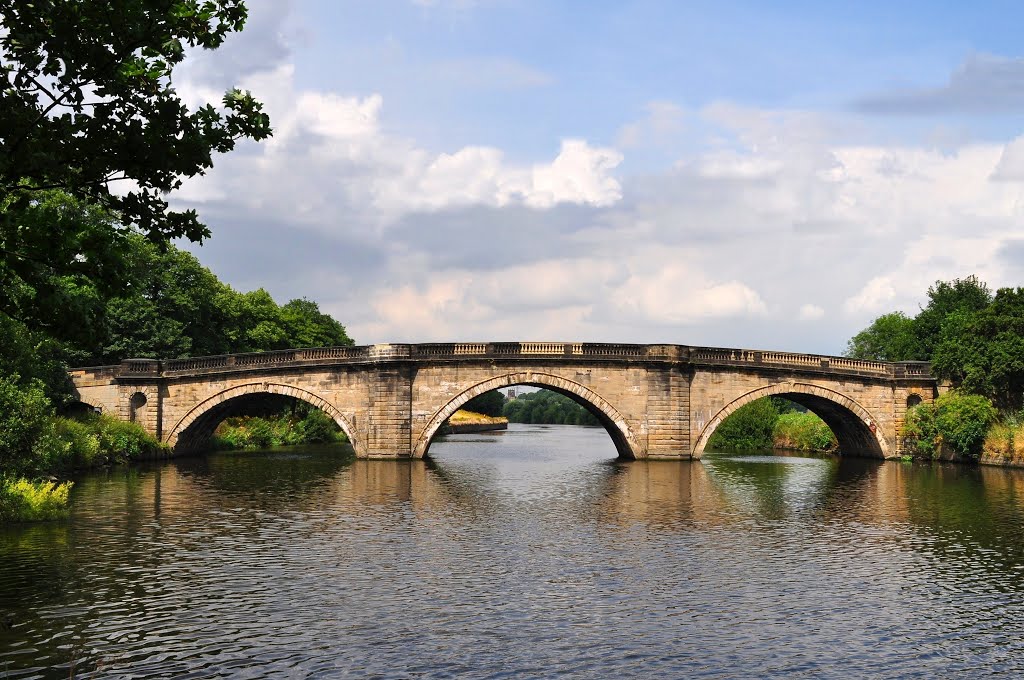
(531, 350)
(542, 348)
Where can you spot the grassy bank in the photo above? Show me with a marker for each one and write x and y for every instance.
(1004, 444)
(286, 429)
(462, 417)
(470, 421)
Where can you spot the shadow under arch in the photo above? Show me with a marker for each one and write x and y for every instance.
(196, 426)
(855, 429)
(626, 443)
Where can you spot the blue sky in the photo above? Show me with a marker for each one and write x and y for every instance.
(728, 173)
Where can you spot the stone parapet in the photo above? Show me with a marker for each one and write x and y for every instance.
(527, 351)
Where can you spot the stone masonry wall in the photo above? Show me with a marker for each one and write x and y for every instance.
(392, 407)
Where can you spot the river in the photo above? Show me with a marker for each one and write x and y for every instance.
(526, 553)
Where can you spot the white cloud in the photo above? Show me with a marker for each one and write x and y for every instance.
(662, 119)
(877, 295)
(673, 294)
(809, 312)
(327, 146)
(1011, 163)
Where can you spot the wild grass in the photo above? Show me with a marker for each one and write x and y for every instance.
(803, 431)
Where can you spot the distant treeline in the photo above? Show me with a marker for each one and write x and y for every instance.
(542, 407)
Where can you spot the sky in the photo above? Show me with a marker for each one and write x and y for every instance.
(736, 174)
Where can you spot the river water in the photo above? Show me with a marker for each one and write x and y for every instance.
(528, 553)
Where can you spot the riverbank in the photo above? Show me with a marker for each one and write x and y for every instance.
(466, 422)
(60, 447)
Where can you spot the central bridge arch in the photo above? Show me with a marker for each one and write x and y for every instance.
(854, 427)
(195, 428)
(626, 442)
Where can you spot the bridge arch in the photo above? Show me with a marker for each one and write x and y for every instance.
(198, 424)
(853, 426)
(626, 443)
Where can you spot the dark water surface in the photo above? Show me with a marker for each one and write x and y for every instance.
(529, 553)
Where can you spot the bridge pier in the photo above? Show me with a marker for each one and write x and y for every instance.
(388, 426)
(668, 414)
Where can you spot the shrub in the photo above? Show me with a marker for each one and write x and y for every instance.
(960, 421)
(83, 445)
(318, 428)
(750, 427)
(261, 433)
(803, 431)
(24, 501)
(121, 441)
(963, 420)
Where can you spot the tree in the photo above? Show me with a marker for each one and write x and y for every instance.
(545, 406)
(172, 307)
(945, 298)
(70, 256)
(168, 308)
(750, 427)
(890, 337)
(489, 403)
(90, 101)
(896, 337)
(28, 357)
(307, 326)
(88, 108)
(983, 351)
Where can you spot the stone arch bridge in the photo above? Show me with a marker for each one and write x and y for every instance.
(656, 401)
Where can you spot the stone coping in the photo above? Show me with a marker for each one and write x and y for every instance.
(526, 351)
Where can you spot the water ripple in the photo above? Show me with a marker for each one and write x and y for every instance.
(527, 554)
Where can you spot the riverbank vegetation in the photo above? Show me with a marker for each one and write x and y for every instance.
(772, 423)
(464, 421)
(974, 340)
(38, 445)
(303, 425)
(85, 229)
(174, 307)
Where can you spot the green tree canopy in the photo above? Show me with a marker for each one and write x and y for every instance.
(175, 307)
(93, 135)
(890, 337)
(489, 403)
(896, 337)
(944, 299)
(89, 101)
(983, 351)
